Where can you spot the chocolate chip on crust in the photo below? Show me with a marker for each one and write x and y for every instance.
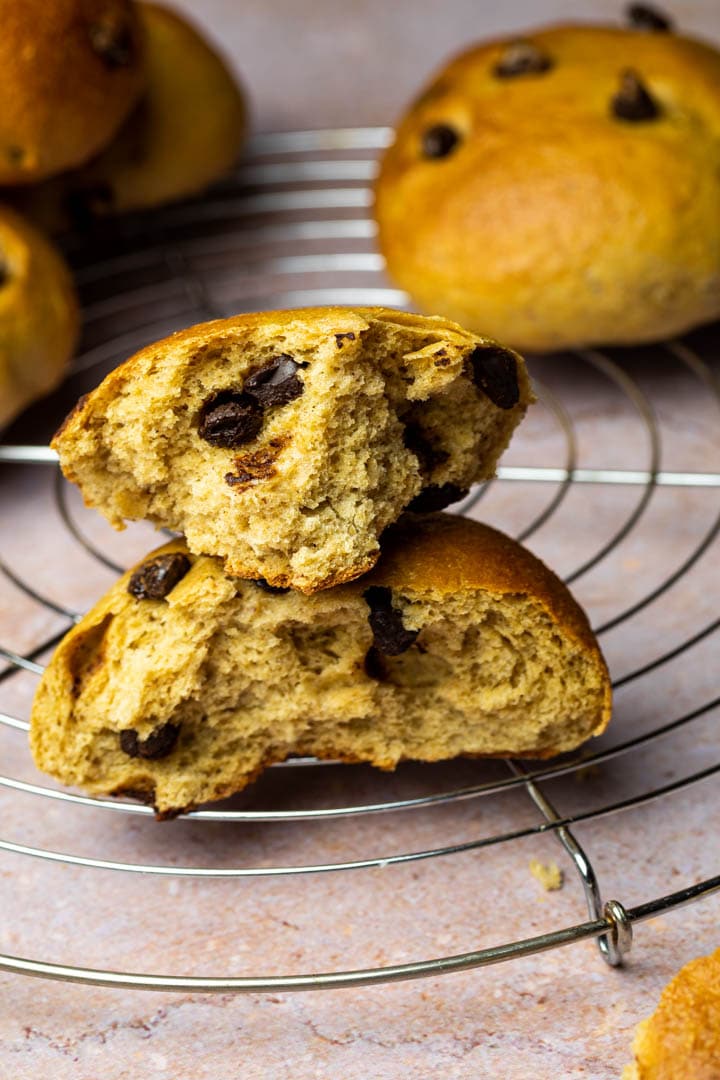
(494, 372)
(522, 58)
(633, 101)
(439, 141)
(276, 590)
(112, 40)
(389, 634)
(159, 576)
(276, 383)
(436, 497)
(229, 419)
(644, 17)
(158, 744)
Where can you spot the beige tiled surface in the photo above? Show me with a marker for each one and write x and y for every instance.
(561, 1014)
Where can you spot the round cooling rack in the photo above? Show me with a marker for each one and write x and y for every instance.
(613, 479)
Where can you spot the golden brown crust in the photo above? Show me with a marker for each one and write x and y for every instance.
(185, 133)
(681, 1040)
(39, 317)
(70, 71)
(442, 554)
(212, 334)
(498, 234)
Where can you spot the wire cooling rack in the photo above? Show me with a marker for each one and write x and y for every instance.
(293, 227)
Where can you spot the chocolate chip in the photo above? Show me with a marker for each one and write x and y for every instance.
(644, 17)
(158, 744)
(340, 339)
(15, 154)
(389, 634)
(4, 271)
(112, 40)
(494, 372)
(439, 141)
(522, 58)
(159, 576)
(374, 665)
(428, 456)
(276, 590)
(229, 419)
(436, 497)
(83, 205)
(633, 101)
(276, 383)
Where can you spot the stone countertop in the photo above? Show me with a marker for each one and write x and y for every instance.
(561, 1014)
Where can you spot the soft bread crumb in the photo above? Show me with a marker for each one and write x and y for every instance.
(549, 875)
(498, 660)
(389, 404)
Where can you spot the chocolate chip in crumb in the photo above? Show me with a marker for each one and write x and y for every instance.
(439, 141)
(633, 101)
(155, 579)
(389, 634)
(229, 419)
(276, 383)
(112, 40)
(158, 744)
(522, 58)
(374, 665)
(340, 339)
(418, 443)
(436, 497)
(644, 17)
(494, 372)
(276, 590)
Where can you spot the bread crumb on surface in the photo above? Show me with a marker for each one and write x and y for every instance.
(549, 875)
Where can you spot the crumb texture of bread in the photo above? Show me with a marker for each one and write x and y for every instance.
(681, 1040)
(378, 407)
(185, 698)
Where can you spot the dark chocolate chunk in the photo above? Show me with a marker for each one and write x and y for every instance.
(230, 419)
(522, 58)
(633, 101)
(436, 497)
(158, 744)
(428, 456)
(82, 205)
(277, 590)
(374, 665)
(389, 634)
(340, 339)
(159, 576)
(439, 141)
(112, 40)
(276, 383)
(494, 372)
(644, 17)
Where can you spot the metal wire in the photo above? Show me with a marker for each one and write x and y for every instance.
(203, 259)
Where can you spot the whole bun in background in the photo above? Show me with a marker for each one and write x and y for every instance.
(186, 132)
(70, 72)
(39, 318)
(562, 189)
